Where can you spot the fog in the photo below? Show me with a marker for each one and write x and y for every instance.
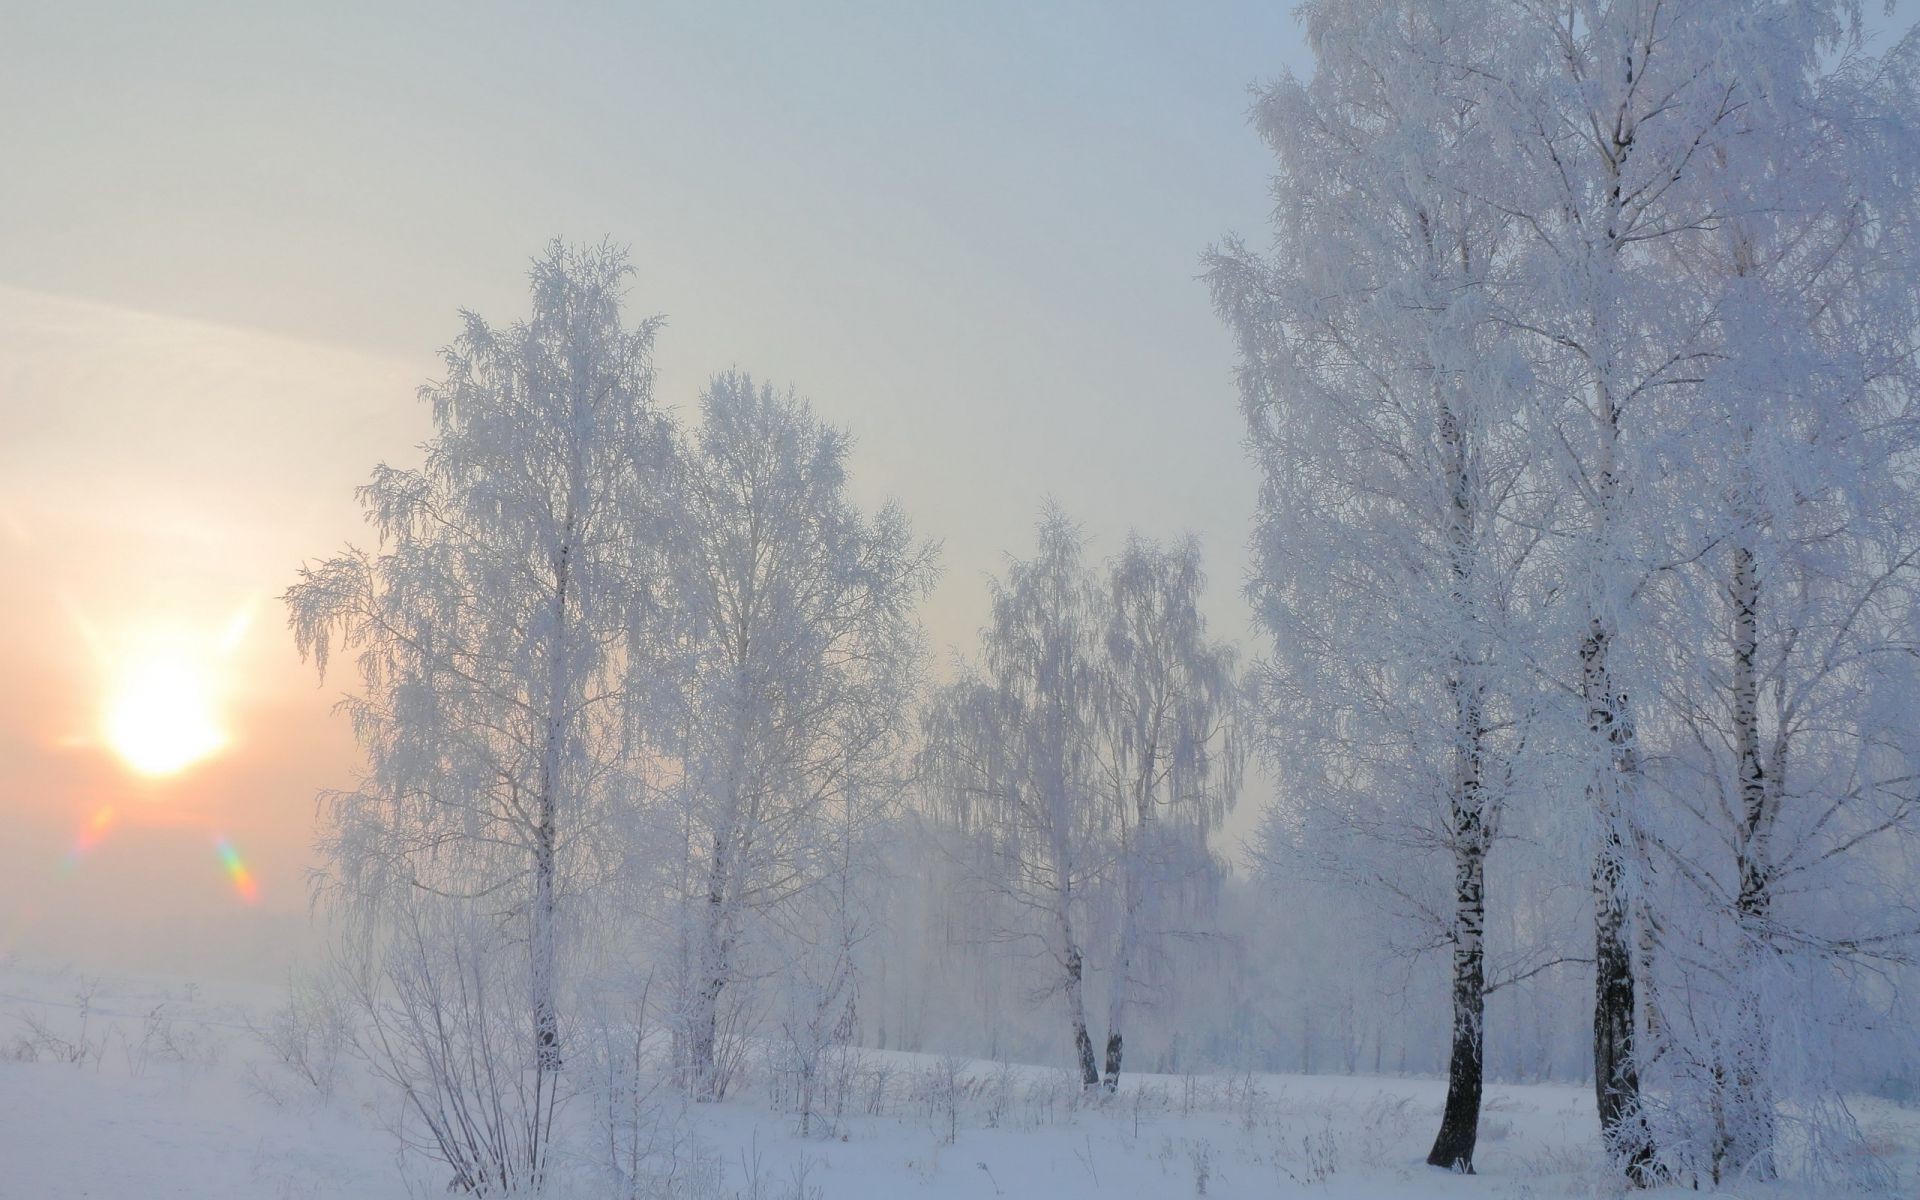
(608, 600)
(249, 232)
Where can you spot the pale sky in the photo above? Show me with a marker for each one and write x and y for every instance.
(232, 238)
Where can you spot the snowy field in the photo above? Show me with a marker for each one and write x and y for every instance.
(123, 1088)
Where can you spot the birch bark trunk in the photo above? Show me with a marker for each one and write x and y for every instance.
(1460, 1120)
(1748, 1145)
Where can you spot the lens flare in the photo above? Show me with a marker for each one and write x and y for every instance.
(91, 834)
(244, 884)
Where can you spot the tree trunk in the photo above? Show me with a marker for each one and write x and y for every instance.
(1616, 1077)
(714, 969)
(1117, 997)
(1616, 1073)
(1120, 992)
(542, 936)
(1460, 1120)
(704, 1039)
(546, 1020)
(1077, 1008)
(1747, 1145)
(1082, 1042)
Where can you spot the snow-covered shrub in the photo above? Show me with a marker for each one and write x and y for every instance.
(870, 1079)
(800, 1185)
(812, 1064)
(42, 1042)
(1194, 1092)
(638, 1144)
(996, 1094)
(445, 1013)
(165, 1039)
(1147, 1101)
(1052, 1094)
(1322, 1154)
(1247, 1100)
(306, 1038)
(940, 1090)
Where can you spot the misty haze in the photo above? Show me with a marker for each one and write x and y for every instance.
(693, 602)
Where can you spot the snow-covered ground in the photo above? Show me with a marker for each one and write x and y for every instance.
(148, 1088)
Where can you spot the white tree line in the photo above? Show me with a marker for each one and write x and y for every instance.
(1580, 372)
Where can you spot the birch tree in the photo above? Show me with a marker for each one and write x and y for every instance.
(1084, 764)
(1790, 772)
(1173, 756)
(494, 624)
(794, 664)
(1397, 517)
(1608, 118)
(1012, 756)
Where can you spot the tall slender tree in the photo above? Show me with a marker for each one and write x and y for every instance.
(1788, 769)
(1397, 519)
(793, 667)
(494, 624)
(1607, 119)
(1173, 759)
(1012, 758)
(1084, 764)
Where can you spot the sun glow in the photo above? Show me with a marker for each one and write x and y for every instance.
(161, 715)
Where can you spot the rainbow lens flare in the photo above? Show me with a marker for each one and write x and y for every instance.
(91, 834)
(244, 884)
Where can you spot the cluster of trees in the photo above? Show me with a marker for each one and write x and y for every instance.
(1081, 766)
(629, 692)
(1581, 377)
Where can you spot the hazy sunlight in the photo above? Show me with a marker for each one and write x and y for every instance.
(161, 717)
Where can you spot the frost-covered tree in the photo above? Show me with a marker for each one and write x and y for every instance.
(1789, 765)
(791, 671)
(1397, 518)
(1663, 351)
(1011, 756)
(1605, 120)
(1172, 754)
(1084, 763)
(494, 624)
(822, 964)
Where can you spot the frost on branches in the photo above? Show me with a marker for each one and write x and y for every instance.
(1083, 763)
(791, 670)
(492, 624)
(1578, 376)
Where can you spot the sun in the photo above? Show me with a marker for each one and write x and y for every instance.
(164, 686)
(161, 716)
